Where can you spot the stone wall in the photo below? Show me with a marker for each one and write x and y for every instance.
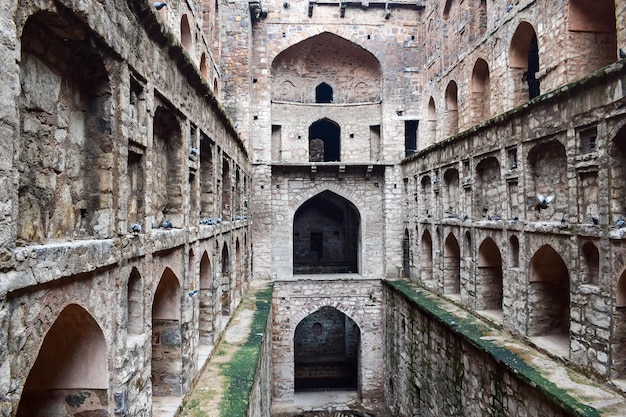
(560, 260)
(359, 300)
(438, 363)
(105, 114)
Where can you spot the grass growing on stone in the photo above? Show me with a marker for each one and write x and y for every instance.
(473, 332)
(241, 369)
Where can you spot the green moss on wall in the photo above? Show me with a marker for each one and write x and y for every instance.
(473, 331)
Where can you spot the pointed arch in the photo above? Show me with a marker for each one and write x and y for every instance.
(452, 108)
(166, 337)
(480, 91)
(185, 34)
(326, 351)
(323, 93)
(226, 281)
(451, 266)
(326, 235)
(135, 304)
(406, 255)
(432, 123)
(324, 141)
(489, 286)
(426, 258)
(319, 54)
(524, 63)
(549, 293)
(72, 361)
(206, 299)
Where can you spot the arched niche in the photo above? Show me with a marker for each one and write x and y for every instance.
(480, 92)
(451, 266)
(489, 283)
(226, 281)
(452, 108)
(166, 337)
(426, 257)
(548, 294)
(326, 236)
(135, 302)
(204, 67)
(514, 251)
(431, 128)
(319, 54)
(185, 34)
(406, 254)
(72, 362)
(206, 315)
(326, 351)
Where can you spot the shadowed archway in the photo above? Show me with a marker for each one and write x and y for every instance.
(326, 236)
(326, 351)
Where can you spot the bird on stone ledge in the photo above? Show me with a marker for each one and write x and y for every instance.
(622, 54)
(159, 5)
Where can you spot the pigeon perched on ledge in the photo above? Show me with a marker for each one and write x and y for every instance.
(136, 227)
(166, 224)
(159, 5)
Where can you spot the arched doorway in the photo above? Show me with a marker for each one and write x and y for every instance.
(489, 286)
(324, 138)
(166, 338)
(326, 351)
(549, 295)
(326, 236)
(70, 375)
(226, 296)
(206, 320)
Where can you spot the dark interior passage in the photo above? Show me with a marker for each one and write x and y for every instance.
(324, 143)
(326, 351)
(326, 236)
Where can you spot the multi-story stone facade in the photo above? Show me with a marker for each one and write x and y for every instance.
(156, 158)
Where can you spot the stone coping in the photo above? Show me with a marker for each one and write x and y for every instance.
(572, 391)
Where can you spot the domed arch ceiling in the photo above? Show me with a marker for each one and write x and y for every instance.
(331, 59)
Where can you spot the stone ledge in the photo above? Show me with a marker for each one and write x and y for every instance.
(574, 392)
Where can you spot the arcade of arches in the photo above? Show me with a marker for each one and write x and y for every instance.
(431, 191)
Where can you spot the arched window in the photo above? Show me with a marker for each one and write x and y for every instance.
(452, 108)
(323, 93)
(524, 63)
(185, 34)
(480, 91)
